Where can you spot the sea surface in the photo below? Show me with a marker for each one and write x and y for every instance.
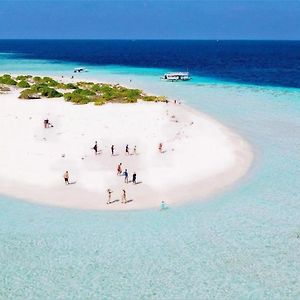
(241, 244)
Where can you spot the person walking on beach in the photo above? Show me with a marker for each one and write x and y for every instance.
(95, 148)
(66, 177)
(160, 147)
(112, 150)
(47, 124)
(124, 197)
(126, 175)
(109, 192)
(134, 150)
(127, 150)
(134, 178)
(119, 169)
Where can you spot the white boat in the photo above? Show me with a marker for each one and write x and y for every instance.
(80, 69)
(176, 76)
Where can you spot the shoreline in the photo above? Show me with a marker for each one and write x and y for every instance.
(198, 185)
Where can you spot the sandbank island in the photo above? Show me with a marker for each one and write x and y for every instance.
(50, 126)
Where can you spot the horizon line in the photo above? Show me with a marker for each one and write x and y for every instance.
(141, 39)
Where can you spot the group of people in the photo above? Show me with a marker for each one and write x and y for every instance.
(112, 149)
(119, 169)
(123, 196)
(125, 174)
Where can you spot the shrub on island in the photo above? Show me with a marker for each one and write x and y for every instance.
(7, 79)
(37, 79)
(23, 84)
(154, 98)
(29, 94)
(83, 92)
(76, 98)
(46, 80)
(67, 86)
(23, 77)
(45, 90)
(99, 101)
(51, 93)
(50, 81)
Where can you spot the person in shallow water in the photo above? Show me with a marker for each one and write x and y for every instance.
(66, 177)
(163, 205)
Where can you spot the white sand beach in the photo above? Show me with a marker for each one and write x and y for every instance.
(201, 156)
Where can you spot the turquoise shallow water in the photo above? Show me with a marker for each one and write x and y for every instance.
(241, 244)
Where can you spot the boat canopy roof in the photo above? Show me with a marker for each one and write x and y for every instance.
(178, 74)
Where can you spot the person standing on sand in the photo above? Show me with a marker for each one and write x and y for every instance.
(160, 147)
(134, 178)
(119, 169)
(134, 150)
(112, 150)
(109, 192)
(126, 175)
(66, 177)
(95, 148)
(124, 197)
(127, 150)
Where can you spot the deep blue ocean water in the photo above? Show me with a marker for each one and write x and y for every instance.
(275, 63)
(240, 244)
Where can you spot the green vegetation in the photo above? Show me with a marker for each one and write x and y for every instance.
(7, 79)
(46, 91)
(78, 93)
(23, 84)
(76, 98)
(67, 86)
(23, 77)
(28, 94)
(155, 98)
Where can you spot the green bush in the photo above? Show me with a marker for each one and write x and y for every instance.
(50, 81)
(28, 94)
(37, 79)
(7, 79)
(99, 101)
(77, 98)
(84, 92)
(132, 94)
(50, 93)
(23, 77)
(67, 86)
(23, 84)
(131, 100)
(149, 98)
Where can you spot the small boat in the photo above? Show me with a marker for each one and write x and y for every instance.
(80, 70)
(176, 76)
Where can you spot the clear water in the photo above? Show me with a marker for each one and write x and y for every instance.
(241, 244)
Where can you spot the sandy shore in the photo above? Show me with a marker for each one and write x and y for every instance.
(202, 156)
